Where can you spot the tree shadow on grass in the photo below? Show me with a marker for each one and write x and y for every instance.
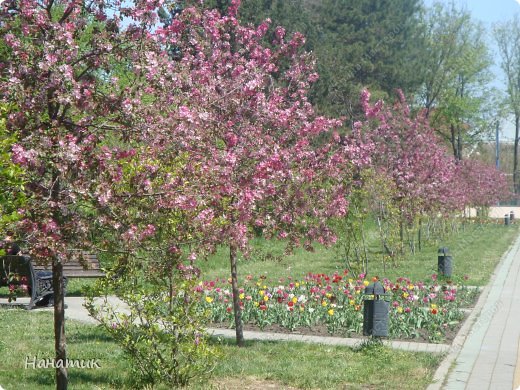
(96, 334)
(89, 378)
(220, 341)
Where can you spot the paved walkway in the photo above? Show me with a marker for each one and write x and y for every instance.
(349, 342)
(484, 355)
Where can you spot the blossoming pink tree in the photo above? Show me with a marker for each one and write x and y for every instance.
(63, 109)
(256, 153)
(477, 185)
(426, 180)
(411, 155)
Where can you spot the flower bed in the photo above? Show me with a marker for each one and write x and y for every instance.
(417, 310)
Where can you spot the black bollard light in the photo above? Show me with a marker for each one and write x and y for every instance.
(444, 262)
(375, 311)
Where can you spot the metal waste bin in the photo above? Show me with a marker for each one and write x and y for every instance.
(506, 219)
(375, 311)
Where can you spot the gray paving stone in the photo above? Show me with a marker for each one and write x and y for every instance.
(488, 357)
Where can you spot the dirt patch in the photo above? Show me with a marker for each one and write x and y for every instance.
(248, 383)
(252, 383)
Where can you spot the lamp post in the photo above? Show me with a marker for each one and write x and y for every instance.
(497, 153)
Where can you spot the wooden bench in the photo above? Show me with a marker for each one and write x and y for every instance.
(39, 278)
(88, 267)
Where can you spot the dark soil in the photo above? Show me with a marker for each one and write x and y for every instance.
(321, 330)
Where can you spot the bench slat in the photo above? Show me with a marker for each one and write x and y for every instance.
(75, 269)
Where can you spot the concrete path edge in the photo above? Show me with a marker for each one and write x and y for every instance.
(441, 374)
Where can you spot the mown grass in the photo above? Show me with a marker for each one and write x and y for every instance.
(314, 366)
(261, 364)
(476, 249)
(75, 287)
(27, 334)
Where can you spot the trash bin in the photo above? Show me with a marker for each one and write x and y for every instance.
(375, 311)
(511, 216)
(444, 262)
(506, 219)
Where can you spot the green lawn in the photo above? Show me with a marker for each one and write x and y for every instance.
(262, 364)
(312, 366)
(475, 248)
(26, 334)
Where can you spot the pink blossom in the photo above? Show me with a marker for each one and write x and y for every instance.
(231, 139)
(130, 234)
(21, 156)
(148, 231)
(279, 33)
(105, 197)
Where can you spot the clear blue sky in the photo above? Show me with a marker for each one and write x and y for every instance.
(490, 12)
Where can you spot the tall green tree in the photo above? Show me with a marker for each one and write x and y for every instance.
(357, 43)
(455, 91)
(365, 44)
(507, 35)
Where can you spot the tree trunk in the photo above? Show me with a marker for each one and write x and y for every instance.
(456, 141)
(453, 140)
(419, 235)
(401, 235)
(236, 300)
(516, 185)
(459, 126)
(459, 143)
(365, 252)
(59, 325)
